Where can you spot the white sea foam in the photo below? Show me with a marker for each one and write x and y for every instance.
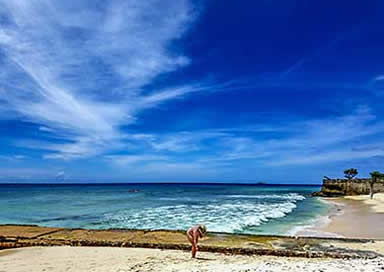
(313, 228)
(227, 217)
(291, 196)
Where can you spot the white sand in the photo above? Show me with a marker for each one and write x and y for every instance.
(351, 216)
(377, 203)
(93, 259)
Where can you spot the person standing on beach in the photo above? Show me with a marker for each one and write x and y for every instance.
(193, 234)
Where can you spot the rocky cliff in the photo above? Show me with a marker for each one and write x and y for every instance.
(344, 187)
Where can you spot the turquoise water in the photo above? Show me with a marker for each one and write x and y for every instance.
(223, 208)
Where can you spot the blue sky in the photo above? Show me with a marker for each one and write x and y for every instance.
(188, 91)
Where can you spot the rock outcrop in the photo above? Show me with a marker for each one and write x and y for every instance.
(345, 187)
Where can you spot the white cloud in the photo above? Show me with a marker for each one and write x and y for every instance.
(309, 142)
(20, 173)
(60, 176)
(79, 71)
(124, 160)
(83, 79)
(60, 173)
(183, 141)
(46, 129)
(341, 138)
(13, 158)
(328, 156)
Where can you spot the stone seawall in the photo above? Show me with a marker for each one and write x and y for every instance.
(15, 236)
(345, 187)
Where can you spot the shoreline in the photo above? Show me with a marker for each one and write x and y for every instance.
(59, 249)
(352, 227)
(316, 226)
(350, 217)
(13, 236)
(343, 213)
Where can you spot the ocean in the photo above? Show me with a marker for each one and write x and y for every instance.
(252, 209)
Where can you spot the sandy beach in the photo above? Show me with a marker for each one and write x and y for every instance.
(352, 217)
(103, 259)
(376, 203)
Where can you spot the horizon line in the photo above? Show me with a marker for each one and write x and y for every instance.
(160, 183)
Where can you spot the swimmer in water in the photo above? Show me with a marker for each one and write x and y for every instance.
(193, 234)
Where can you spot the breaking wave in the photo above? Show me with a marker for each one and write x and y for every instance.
(237, 215)
(291, 196)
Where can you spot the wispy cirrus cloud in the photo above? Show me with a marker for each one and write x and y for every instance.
(79, 70)
(335, 139)
(142, 159)
(13, 158)
(316, 141)
(377, 85)
(24, 173)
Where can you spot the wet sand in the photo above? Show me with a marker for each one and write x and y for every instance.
(356, 217)
(101, 259)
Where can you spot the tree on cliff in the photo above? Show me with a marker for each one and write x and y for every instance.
(350, 173)
(375, 177)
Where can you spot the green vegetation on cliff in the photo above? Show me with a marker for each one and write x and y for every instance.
(351, 185)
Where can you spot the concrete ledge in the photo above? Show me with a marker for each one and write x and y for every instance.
(13, 236)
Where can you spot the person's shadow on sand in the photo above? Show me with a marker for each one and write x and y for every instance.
(204, 259)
